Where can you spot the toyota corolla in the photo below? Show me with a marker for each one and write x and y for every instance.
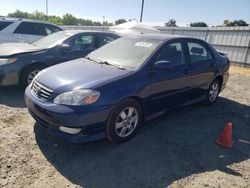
(116, 88)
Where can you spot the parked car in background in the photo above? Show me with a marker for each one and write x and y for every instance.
(116, 87)
(20, 62)
(25, 30)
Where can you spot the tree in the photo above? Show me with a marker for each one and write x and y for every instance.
(120, 21)
(105, 23)
(69, 19)
(171, 23)
(55, 19)
(237, 23)
(38, 16)
(19, 14)
(198, 24)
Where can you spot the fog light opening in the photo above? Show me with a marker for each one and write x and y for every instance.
(70, 130)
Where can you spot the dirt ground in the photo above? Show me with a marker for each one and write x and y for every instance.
(176, 150)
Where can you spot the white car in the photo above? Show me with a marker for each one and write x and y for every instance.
(24, 30)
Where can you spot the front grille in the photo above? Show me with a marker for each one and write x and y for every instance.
(40, 90)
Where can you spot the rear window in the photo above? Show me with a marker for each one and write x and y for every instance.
(51, 29)
(3, 25)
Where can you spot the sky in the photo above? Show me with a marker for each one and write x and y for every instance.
(156, 12)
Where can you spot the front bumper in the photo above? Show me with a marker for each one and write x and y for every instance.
(91, 119)
(8, 75)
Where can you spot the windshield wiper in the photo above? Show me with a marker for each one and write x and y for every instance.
(118, 66)
(105, 63)
(93, 60)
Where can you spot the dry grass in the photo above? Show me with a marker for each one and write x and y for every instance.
(239, 70)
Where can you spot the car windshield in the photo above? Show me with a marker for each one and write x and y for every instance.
(126, 52)
(52, 40)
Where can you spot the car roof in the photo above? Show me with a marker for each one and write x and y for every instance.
(26, 20)
(164, 37)
(74, 32)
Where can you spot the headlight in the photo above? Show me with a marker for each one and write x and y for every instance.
(78, 97)
(7, 61)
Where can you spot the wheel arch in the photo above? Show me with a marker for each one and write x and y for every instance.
(133, 97)
(24, 68)
(219, 78)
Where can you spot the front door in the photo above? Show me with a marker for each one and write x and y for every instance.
(80, 46)
(168, 87)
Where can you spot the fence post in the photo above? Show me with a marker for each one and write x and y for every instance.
(246, 55)
(205, 36)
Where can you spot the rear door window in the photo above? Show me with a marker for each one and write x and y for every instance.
(4, 24)
(104, 39)
(198, 53)
(31, 28)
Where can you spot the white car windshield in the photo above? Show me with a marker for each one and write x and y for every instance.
(52, 40)
(127, 52)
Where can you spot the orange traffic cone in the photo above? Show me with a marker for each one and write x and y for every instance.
(225, 138)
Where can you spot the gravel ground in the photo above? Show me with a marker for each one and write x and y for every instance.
(176, 150)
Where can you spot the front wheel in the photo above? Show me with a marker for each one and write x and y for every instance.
(124, 121)
(213, 92)
(28, 75)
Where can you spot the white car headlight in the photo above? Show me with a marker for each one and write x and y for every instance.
(7, 61)
(78, 97)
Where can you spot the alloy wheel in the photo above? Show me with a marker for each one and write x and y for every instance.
(126, 122)
(32, 75)
(213, 92)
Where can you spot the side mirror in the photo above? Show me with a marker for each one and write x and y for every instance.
(163, 65)
(65, 47)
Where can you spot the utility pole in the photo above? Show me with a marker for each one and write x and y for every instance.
(142, 6)
(103, 20)
(47, 7)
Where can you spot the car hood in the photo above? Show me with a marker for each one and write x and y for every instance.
(9, 49)
(79, 73)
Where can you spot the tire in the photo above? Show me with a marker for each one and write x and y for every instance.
(28, 74)
(213, 92)
(124, 121)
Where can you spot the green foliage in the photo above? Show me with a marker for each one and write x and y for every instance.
(198, 24)
(55, 19)
(237, 23)
(171, 23)
(120, 21)
(107, 23)
(67, 19)
(19, 14)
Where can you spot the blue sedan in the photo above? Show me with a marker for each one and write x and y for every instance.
(116, 88)
(20, 62)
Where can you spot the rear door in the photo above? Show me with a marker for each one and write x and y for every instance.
(29, 32)
(201, 67)
(169, 87)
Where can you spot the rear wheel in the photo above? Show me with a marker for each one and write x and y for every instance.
(28, 74)
(124, 121)
(213, 92)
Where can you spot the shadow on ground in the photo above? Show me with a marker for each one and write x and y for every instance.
(12, 96)
(171, 147)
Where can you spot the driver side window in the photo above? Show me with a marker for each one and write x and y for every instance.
(82, 43)
(173, 53)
